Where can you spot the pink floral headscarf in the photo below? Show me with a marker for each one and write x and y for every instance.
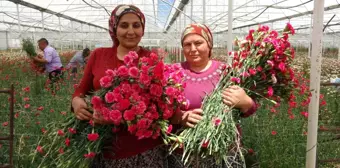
(201, 30)
(117, 13)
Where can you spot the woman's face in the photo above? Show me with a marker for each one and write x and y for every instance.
(195, 49)
(129, 30)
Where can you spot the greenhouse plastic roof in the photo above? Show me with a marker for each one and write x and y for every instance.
(92, 15)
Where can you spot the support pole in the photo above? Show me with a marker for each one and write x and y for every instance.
(19, 22)
(315, 83)
(42, 22)
(203, 12)
(310, 37)
(191, 10)
(230, 31)
(60, 43)
(72, 35)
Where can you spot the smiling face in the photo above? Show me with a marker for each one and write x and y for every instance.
(196, 50)
(129, 31)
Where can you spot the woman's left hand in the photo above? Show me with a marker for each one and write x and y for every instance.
(237, 97)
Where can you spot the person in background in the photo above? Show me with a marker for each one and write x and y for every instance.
(79, 59)
(51, 60)
(126, 28)
(201, 76)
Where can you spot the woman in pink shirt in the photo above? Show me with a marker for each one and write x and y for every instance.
(201, 76)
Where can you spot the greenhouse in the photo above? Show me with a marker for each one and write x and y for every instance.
(170, 83)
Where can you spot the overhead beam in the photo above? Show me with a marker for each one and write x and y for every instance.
(39, 27)
(23, 3)
(281, 18)
(176, 14)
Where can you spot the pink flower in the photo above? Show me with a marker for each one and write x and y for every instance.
(216, 121)
(168, 131)
(156, 90)
(110, 72)
(305, 114)
(106, 81)
(92, 137)
(274, 132)
(129, 115)
(236, 80)
(26, 99)
(291, 116)
(90, 155)
(109, 97)
(270, 91)
(116, 117)
(27, 106)
(123, 71)
(4, 124)
(133, 72)
(245, 74)
(72, 130)
(270, 63)
(282, 67)
(61, 133)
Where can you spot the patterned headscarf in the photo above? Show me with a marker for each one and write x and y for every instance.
(117, 13)
(201, 30)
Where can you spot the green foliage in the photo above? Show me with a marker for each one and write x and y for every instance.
(28, 47)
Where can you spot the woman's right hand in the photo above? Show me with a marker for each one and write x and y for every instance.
(80, 109)
(192, 117)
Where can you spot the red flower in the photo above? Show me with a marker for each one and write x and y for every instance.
(106, 81)
(274, 132)
(61, 133)
(236, 80)
(129, 115)
(123, 104)
(270, 91)
(91, 123)
(109, 97)
(132, 128)
(205, 144)
(26, 89)
(43, 130)
(250, 151)
(282, 67)
(143, 123)
(26, 99)
(72, 130)
(40, 149)
(5, 124)
(252, 71)
(133, 72)
(216, 121)
(110, 72)
(27, 106)
(168, 131)
(116, 116)
(323, 103)
(92, 137)
(96, 102)
(41, 108)
(90, 155)
(67, 142)
(305, 114)
(61, 150)
(123, 71)
(156, 90)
